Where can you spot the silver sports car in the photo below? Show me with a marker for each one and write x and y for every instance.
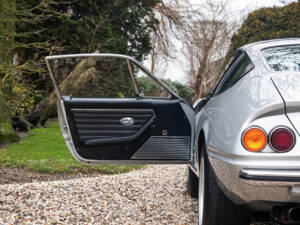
(241, 142)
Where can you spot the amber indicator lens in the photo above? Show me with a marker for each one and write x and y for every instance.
(254, 139)
(282, 139)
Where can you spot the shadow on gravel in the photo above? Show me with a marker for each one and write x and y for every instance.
(13, 176)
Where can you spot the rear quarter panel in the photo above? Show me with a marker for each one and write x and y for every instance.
(288, 84)
(253, 100)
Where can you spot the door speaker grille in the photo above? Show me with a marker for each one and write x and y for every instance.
(164, 148)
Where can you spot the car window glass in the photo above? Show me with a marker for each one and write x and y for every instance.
(283, 58)
(223, 72)
(147, 87)
(242, 67)
(93, 77)
(227, 68)
(104, 77)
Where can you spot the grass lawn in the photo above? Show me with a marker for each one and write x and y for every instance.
(45, 151)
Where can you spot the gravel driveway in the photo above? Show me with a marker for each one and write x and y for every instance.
(153, 195)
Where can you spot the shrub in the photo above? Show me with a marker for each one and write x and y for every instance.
(268, 23)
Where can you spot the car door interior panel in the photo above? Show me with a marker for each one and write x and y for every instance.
(151, 132)
(96, 127)
(116, 127)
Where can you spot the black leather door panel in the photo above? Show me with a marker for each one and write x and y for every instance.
(98, 126)
(98, 134)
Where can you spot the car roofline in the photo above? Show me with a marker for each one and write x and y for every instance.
(257, 46)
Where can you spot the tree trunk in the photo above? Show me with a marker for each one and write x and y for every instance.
(200, 77)
(201, 74)
(77, 79)
(7, 30)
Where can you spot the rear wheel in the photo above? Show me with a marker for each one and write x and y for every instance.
(214, 207)
(192, 183)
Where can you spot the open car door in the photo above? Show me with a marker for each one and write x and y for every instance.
(111, 109)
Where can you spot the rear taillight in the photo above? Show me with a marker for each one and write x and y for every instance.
(282, 139)
(254, 139)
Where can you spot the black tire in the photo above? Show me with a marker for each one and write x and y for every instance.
(192, 183)
(218, 209)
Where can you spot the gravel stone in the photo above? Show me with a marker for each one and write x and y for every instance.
(152, 195)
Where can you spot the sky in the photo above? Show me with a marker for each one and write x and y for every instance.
(176, 70)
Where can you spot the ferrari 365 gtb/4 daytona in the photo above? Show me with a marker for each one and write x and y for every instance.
(241, 142)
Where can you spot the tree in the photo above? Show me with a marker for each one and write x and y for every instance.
(7, 32)
(86, 26)
(151, 88)
(45, 27)
(268, 23)
(204, 32)
(181, 90)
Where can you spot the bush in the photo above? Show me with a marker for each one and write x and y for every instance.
(268, 23)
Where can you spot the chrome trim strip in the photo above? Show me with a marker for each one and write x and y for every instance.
(112, 110)
(271, 173)
(54, 81)
(132, 78)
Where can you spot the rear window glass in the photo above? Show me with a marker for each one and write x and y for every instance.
(283, 58)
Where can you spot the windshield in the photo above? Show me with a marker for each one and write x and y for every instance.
(283, 58)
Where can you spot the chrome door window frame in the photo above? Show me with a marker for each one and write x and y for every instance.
(231, 68)
(127, 58)
(228, 71)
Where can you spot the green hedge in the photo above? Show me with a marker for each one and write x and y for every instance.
(268, 23)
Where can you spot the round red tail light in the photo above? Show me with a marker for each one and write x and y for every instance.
(282, 139)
